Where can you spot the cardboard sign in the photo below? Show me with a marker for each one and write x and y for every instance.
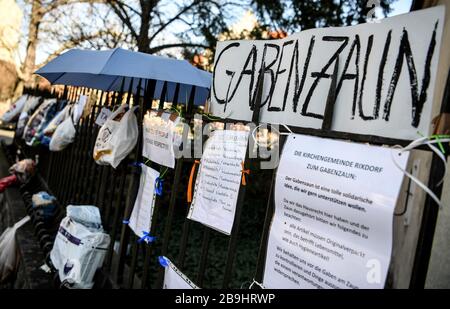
(219, 179)
(175, 279)
(141, 216)
(332, 226)
(385, 85)
(158, 135)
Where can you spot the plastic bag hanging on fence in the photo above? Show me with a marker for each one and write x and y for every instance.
(23, 169)
(14, 111)
(79, 108)
(7, 181)
(117, 137)
(30, 106)
(57, 120)
(80, 247)
(38, 121)
(51, 127)
(63, 135)
(8, 251)
(40, 137)
(20, 172)
(44, 206)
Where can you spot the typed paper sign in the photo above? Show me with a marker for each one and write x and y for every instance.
(332, 226)
(219, 179)
(141, 216)
(159, 133)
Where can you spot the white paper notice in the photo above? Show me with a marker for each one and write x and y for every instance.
(219, 179)
(141, 216)
(175, 279)
(332, 226)
(158, 134)
(103, 116)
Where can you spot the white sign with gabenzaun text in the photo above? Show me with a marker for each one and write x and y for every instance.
(385, 81)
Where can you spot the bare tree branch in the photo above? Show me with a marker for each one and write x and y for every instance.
(177, 16)
(58, 3)
(156, 49)
(118, 8)
(73, 42)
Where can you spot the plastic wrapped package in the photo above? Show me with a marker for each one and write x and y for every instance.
(37, 122)
(14, 111)
(80, 247)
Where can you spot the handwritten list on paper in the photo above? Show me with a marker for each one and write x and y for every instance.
(142, 213)
(219, 179)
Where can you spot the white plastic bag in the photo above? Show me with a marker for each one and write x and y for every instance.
(116, 138)
(63, 136)
(57, 120)
(80, 247)
(38, 121)
(28, 109)
(78, 109)
(8, 251)
(14, 111)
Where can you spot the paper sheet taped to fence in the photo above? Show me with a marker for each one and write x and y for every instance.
(219, 179)
(386, 77)
(175, 279)
(142, 213)
(332, 226)
(159, 134)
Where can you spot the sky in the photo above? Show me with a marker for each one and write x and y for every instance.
(399, 7)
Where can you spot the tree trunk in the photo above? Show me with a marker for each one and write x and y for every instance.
(144, 39)
(33, 31)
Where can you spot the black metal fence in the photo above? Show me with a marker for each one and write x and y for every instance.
(209, 258)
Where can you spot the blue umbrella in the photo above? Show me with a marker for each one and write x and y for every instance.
(107, 70)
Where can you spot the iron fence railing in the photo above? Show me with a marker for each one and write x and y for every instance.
(209, 258)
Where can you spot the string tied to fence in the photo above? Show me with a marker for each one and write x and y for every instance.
(146, 237)
(244, 172)
(191, 180)
(257, 283)
(255, 139)
(429, 141)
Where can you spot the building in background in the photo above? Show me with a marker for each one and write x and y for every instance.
(10, 30)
